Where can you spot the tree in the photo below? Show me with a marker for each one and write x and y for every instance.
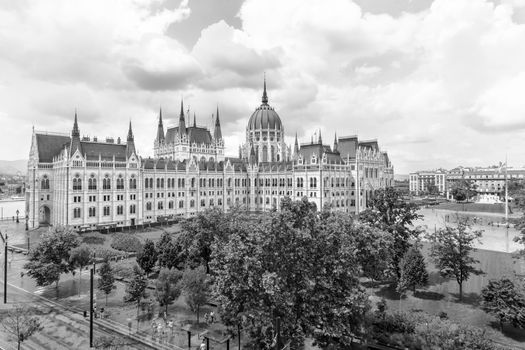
(196, 288)
(463, 189)
(51, 257)
(106, 282)
(432, 189)
(296, 266)
(20, 323)
(199, 234)
(390, 213)
(147, 257)
(503, 299)
(80, 257)
(413, 270)
(136, 289)
(169, 252)
(168, 287)
(451, 249)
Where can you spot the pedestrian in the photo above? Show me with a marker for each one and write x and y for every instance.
(203, 345)
(206, 318)
(154, 326)
(129, 325)
(170, 326)
(212, 317)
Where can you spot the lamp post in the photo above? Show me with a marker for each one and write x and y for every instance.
(91, 310)
(5, 269)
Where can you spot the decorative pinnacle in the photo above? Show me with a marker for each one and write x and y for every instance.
(265, 95)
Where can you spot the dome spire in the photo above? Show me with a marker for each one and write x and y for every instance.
(264, 96)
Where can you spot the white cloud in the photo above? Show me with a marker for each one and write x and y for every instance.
(430, 85)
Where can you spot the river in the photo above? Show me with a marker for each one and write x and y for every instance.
(8, 208)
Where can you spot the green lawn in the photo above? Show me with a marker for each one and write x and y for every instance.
(442, 295)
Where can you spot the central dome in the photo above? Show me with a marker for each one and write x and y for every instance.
(264, 117)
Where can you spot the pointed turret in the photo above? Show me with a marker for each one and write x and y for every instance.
(335, 142)
(182, 122)
(194, 120)
(160, 129)
(130, 145)
(75, 138)
(264, 96)
(253, 157)
(217, 134)
(320, 141)
(296, 145)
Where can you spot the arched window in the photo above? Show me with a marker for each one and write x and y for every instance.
(265, 154)
(170, 205)
(160, 205)
(133, 183)
(192, 203)
(106, 183)
(77, 183)
(148, 206)
(120, 183)
(151, 182)
(158, 183)
(92, 182)
(45, 183)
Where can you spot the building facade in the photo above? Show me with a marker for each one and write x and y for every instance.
(423, 182)
(85, 183)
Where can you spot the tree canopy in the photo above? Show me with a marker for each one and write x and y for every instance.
(451, 249)
(503, 299)
(413, 270)
(390, 213)
(168, 287)
(463, 189)
(106, 282)
(195, 285)
(296, 266)
(147, 256)
(51, 257)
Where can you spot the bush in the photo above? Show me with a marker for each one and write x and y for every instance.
(105, 253)
(126, 242)
(94, 239)
(123, 271)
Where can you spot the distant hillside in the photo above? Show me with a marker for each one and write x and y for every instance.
(11, 167)
(401, 177)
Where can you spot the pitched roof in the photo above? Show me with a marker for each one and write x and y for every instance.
(50, 146)
(347, 146)
(106, 151)
(196, 135)
(372, 144)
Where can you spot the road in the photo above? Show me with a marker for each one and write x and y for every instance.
(63, 328)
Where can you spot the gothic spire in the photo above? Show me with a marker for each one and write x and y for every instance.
(194, 120)
(320, 138)
(335, 142)
(75, 137)
(75, 131)
(130, 145)
(160, 129)
(182, 122)
(264, 96)
(217, 134)
(296, 145)
(130, 133)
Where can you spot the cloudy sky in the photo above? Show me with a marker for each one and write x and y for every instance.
(439, 83)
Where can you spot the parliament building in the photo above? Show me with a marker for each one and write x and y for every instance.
(89, 183)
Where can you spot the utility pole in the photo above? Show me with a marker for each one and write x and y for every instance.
(91, 310)
(506, 206)
(5, 269)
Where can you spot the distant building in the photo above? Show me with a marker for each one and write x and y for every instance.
(420, 182)
(488, 181)
(86, 183)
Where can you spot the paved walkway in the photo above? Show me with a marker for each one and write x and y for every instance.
(494, 238)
